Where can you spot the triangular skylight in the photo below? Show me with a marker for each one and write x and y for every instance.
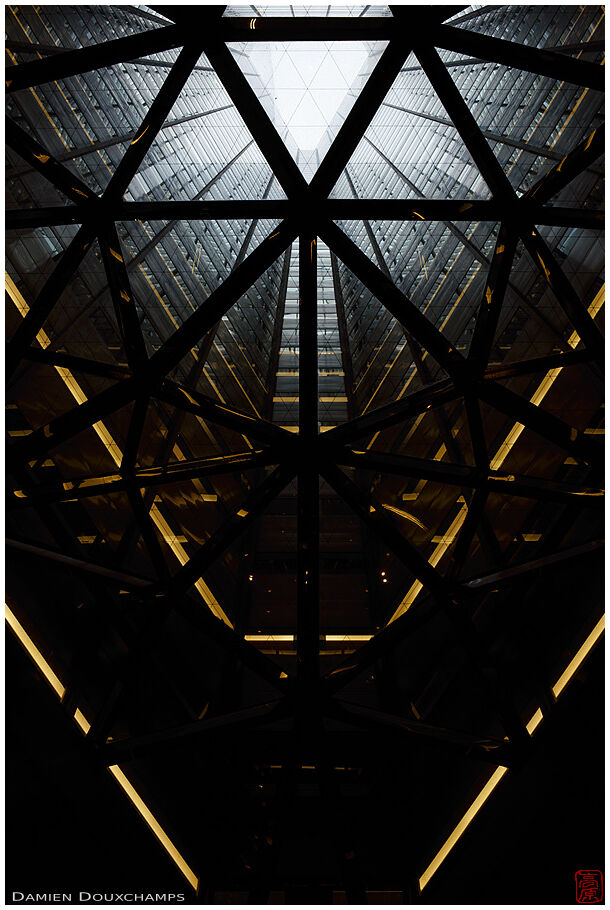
(305, 83)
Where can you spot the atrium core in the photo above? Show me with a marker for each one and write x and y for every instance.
(305, 438)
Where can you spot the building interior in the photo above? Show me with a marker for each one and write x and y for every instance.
(304, 407)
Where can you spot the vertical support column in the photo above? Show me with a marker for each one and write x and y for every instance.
(308, 625)
(276, 341)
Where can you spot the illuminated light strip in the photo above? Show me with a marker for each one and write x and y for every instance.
(82, 721)
(435, 558)
(180, 553)
(473, 809)
(115, 451)
(264, 638)
(532, 724)
(403, 514)
(236, 378)
(498, 459)
(348, 637)
(34, 653)
(154, 825)
(461, 826)
(84, 724)
(269, 637)
(578, 658)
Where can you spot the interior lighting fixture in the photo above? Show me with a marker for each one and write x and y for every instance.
(44, 667)
(532, 724)
(496, 462)
(154, 825)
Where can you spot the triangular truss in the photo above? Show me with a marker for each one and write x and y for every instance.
(309, 213)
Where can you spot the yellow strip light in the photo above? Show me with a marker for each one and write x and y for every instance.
(264, 638)
(461, 826)
(154, 825)
(496, 462)
(82, 721)
(532, 724)
(34, 653)
(578, 658)
(180, 553)
(117, 456)
(269, 637)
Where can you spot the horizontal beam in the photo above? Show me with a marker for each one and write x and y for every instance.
(508, 575)
(573, 164)
(496, 751)
(538, 488)
(118, 750)
(125, 580)
(542, 422)
(83, 60)
(523, 144)
(141, 478)
(80, 150)
(435, 395)
(169, 355)
(78, 364)
(232, 418)
(521, 56)
(335, 209)
(254, 505)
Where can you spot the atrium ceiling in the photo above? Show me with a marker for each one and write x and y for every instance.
(305, 431)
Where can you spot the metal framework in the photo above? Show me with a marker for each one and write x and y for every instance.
(308, 213)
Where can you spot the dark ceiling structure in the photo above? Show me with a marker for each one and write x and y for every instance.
(304, 471)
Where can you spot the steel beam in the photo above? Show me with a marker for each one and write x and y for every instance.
(256, 119)
(355, 124)
(445, 210)
(565, 294)
(122, 296)
(508, 575)
(571, 165)
(466, 125)
(491, 304)
(52, 289)
(308, 620)
(374, 517)
(123, 579)
(165, 359)
(398, 304)
(234, 419)
(148, 743)
(229, 532)
(83, 60)
(153, 121)
(82, 150)
(395, 412)
(480, 257)
(276, 341)
(561, 434)
(496, 751)
(78, 364)
(522, 144)
(532, 59)
(458, 475)
(149, 478)
(71, 185)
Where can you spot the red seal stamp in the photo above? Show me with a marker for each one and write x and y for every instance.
(589, 886)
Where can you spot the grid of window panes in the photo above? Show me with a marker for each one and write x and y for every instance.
(173, 267)
(411, 149)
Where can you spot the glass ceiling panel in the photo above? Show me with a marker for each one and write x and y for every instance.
(307, 11)
(307, 88)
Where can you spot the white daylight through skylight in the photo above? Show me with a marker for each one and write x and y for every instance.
(307, 82)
